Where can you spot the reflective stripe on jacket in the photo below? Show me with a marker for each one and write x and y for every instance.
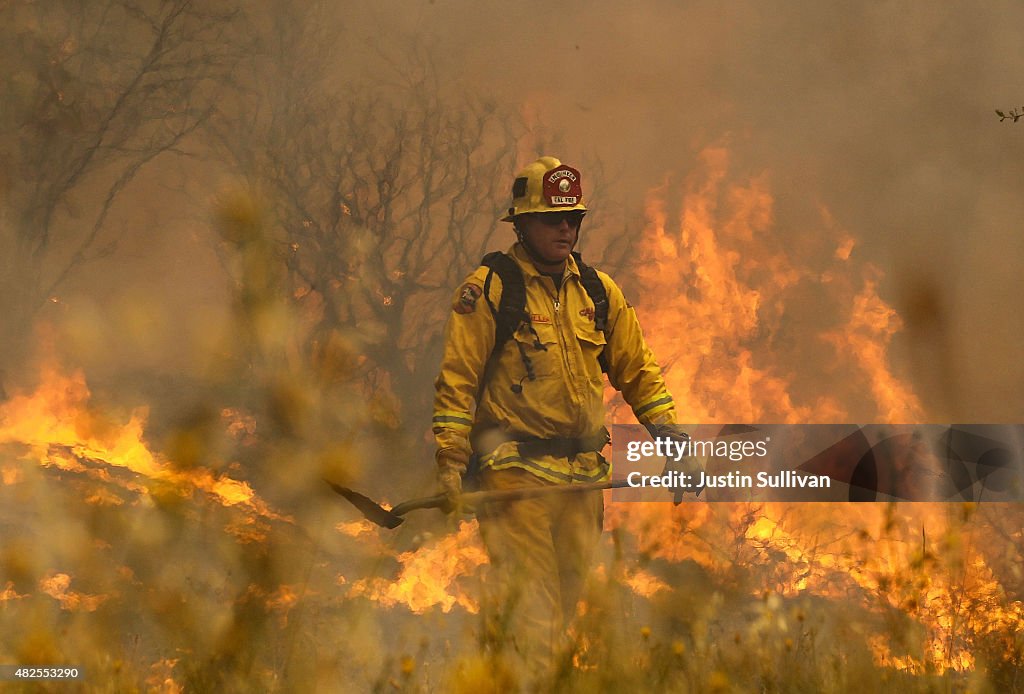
(565, 399)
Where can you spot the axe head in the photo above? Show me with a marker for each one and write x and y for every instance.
(371, 510)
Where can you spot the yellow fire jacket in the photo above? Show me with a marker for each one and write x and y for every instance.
(565, 400)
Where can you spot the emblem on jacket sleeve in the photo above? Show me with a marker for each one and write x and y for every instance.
(466, 303)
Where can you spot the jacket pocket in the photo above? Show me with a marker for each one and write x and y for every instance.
(539, 343)
(592, 343)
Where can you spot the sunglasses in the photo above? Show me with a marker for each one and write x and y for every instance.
(554, 219)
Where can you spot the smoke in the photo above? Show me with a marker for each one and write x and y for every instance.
(883, 114)
(877, 120)
(871, 126)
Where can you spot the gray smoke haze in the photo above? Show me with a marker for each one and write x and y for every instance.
(866, 121)
(881, 113)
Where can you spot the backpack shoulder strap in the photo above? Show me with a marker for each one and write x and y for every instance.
(511, 309)
(599, 295)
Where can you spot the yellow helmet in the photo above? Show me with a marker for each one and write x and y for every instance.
(546, 185)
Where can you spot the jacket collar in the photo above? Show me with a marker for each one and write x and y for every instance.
(518, 253)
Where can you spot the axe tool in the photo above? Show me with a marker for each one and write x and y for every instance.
(375, 513)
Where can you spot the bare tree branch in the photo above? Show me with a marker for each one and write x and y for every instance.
(1014, 115)
(94, 93)
(384, 197)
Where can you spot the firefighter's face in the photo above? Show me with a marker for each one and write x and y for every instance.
(551, 235)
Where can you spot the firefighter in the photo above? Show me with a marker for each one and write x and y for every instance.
(520, 392)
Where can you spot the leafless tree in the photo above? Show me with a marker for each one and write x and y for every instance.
(1014, 115)
(92, 93)
(384, 195)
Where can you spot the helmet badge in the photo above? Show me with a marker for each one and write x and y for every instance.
(561, 187)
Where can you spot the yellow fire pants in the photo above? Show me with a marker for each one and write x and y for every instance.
(540, 551)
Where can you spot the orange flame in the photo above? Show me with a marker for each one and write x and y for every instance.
(644, 583)
(357, 528)
(10, 475)
(60, 429)
(9, 593)
(281, 600)
(429, 576)
(723, 285)
(160, 679)
(865, 338)
(240, 425)
(57, 586)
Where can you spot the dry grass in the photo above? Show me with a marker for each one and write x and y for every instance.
(167, 577)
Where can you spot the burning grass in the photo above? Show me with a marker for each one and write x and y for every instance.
(166, 568)
(162, 589)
